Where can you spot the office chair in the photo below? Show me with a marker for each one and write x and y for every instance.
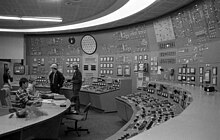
(5, 97)
(77, 118)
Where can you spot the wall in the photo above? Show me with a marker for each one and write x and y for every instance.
(11, 46)
(185, 39)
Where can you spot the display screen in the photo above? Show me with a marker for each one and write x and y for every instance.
(111, 71)
(188, 70)
(19, 69)
(86, 67)
(140, 66)
(192, 71)
(184, 70)
(135, 67)
(179, 70)
(201, 79)
(127, 71)
(93, 67)
(201, 70)
(119, 71)
(214, 80)
(207, 76)
(214, 70)
(145, 57)
(145, 67)
(179, 77)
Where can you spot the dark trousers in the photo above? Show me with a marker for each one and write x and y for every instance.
(75, 99)
(54, 88)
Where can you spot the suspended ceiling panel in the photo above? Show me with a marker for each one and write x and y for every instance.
(76, 11)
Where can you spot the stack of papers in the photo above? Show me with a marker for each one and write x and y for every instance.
(59, 97)
(55, 102)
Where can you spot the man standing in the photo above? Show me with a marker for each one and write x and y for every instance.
(77, 83)
(56, 79)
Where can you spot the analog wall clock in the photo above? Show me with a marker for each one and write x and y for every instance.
(89, 44)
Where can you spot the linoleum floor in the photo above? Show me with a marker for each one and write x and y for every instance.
(101, 126)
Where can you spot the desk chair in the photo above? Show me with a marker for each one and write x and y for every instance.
(8, 100)
(77, 118)
(5, 97)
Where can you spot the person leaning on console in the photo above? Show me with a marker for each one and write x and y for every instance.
(22, 95)
(56, 79)
(77, 83)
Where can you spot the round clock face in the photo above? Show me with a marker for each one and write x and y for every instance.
(88, 44)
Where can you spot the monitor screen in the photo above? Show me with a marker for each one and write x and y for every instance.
(192, 71)
(184, 70)
(179, 70)
(19, 69)
(179, 77)
(93, 67)
(86, 67)
(188, 70)
(207, 76)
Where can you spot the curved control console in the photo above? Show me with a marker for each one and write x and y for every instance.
(43, 127)
(162, 110)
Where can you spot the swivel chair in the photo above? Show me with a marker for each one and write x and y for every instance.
(77, 118)
(5, 97)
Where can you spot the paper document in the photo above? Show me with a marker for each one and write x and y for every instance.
(48, 101)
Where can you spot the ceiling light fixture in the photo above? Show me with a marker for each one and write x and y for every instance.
(10, 18)
(49, 19)
(32, 18)
(130, 8)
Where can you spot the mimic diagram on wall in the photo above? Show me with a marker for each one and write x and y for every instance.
(164, 29)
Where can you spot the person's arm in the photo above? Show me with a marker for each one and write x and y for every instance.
(6, 79)
(50, 77)
(9, 81)
(62, 79)
(22, 97)
(31, 91)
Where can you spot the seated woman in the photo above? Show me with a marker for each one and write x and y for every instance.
(31, 89)
(22, 94)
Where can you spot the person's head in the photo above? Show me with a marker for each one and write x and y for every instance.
(75, 66)
(54, 67)
(23, 83)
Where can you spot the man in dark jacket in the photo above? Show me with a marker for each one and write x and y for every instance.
(77, 83)
(56, 79)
